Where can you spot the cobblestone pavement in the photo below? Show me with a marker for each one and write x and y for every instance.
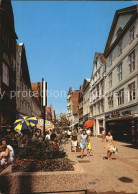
(120, 175)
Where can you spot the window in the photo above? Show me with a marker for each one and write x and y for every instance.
(132, 61)
(131, 91)
(98, 74)
(110, 80)
(97, 90)
(5, 74)
(102, 106)
(119, 68)
(110, 101)
(102, 87)
(121, 97)
(99, 108)
(131, 35)
(110, 60)
(119, 48)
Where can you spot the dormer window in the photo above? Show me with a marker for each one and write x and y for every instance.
(119, 31)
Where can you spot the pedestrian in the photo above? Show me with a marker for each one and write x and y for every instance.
(73, 140)
(133, 134)
(83, 142)
(40, 138)
(35, 137)
(103, 134)
(53, 136)
(89, 147)
(80, 130)
(9, 152)
(109, 145)
(3, 158)
(89, 132)
(69, 133)
(47, 136)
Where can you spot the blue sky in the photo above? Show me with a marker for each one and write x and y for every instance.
(61, 38)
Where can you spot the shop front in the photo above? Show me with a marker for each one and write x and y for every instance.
(123, 125)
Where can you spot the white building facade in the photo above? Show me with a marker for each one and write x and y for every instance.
(97, 90)
(121, 83)
(86, 95)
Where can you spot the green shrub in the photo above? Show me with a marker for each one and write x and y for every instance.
(40, 151)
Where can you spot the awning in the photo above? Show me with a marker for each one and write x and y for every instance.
(89, 123)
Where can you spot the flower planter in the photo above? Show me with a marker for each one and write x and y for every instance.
(38, 182)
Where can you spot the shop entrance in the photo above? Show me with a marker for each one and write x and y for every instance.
(122, 130)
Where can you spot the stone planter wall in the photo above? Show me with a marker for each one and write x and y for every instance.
(39, 182)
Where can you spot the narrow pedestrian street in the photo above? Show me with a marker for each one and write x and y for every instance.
(116, 176)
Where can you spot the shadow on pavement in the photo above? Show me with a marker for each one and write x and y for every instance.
(126, 180)
(131, 146)
(107, 192)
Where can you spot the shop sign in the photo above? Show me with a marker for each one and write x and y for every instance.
(115, 114)
(128, 112)
(107, 117)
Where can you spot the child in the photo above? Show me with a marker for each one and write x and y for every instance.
(89, 148)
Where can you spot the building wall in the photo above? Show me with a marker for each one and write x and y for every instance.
(97, 91)
(127, 77)
(86, 109)
(7, 59)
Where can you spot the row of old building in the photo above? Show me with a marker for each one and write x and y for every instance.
(110, 96)
(18, 96)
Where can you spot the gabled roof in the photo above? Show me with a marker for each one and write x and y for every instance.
(101, 56)
(86, 83)
(24, 65)
(102, 59)
(70, 91)
(129, 10)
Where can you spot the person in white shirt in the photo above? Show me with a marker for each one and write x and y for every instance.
(69, 133)
(10, 158)
(47, 136)
(9, 152)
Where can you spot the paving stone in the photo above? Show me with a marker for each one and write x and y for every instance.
(120, 175)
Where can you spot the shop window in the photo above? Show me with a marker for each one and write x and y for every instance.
(132, 91)
(5, 74)
(121, 97)
(132, 61)
(119, 68)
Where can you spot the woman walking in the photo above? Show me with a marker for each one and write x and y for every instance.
(109, 145)
(83, 142)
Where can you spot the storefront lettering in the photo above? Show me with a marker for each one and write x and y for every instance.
(126, 113)
(115, 114)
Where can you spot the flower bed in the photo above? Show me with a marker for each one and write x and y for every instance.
(33, 165)
(41, 156)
